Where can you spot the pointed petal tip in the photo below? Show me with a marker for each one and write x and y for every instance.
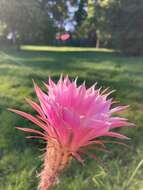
(27, 100)
(33, 82)
(116, 135)
(11, 109)
(67, 76)
(75, 80)
(35, 85)
(119, 109)
(61, 75)
(132, 125)
(106, 95)
(78, 157)
(104, 91)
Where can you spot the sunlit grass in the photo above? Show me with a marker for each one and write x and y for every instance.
(63, 49)
(19, 162)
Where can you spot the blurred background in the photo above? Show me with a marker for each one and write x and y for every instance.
(96, 40)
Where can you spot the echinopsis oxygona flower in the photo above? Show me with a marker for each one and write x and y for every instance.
(72, 119)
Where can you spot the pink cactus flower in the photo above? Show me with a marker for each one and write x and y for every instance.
(72, 119)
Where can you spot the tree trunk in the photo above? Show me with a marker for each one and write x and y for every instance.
(97, 42)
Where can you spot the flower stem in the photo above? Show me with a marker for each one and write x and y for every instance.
(55, 160)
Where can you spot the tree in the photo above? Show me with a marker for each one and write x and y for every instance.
(126, 26)
(81, 14)
(94, 27)
(58, 11)
(26, 21)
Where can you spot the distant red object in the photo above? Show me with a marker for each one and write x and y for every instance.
(63, 37)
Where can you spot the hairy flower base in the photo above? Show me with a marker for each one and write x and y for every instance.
(55, 160)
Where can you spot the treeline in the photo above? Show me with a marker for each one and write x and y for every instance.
(106, 23)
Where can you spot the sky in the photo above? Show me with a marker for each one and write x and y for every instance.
(69, 24)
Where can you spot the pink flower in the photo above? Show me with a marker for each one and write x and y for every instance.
(73, 118)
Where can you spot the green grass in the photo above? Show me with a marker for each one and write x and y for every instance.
(19, 158)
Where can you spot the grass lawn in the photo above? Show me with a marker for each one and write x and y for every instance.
(19, 158)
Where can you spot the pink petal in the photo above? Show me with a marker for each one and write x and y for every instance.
(30, 130)
(35, 106)
(31, 118)
(119, 109)
(116, 135)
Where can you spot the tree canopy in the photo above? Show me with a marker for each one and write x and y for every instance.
(107, 23)
(126, 28)
(26, 20)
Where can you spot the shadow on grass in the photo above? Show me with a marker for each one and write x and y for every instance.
(55, 63)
